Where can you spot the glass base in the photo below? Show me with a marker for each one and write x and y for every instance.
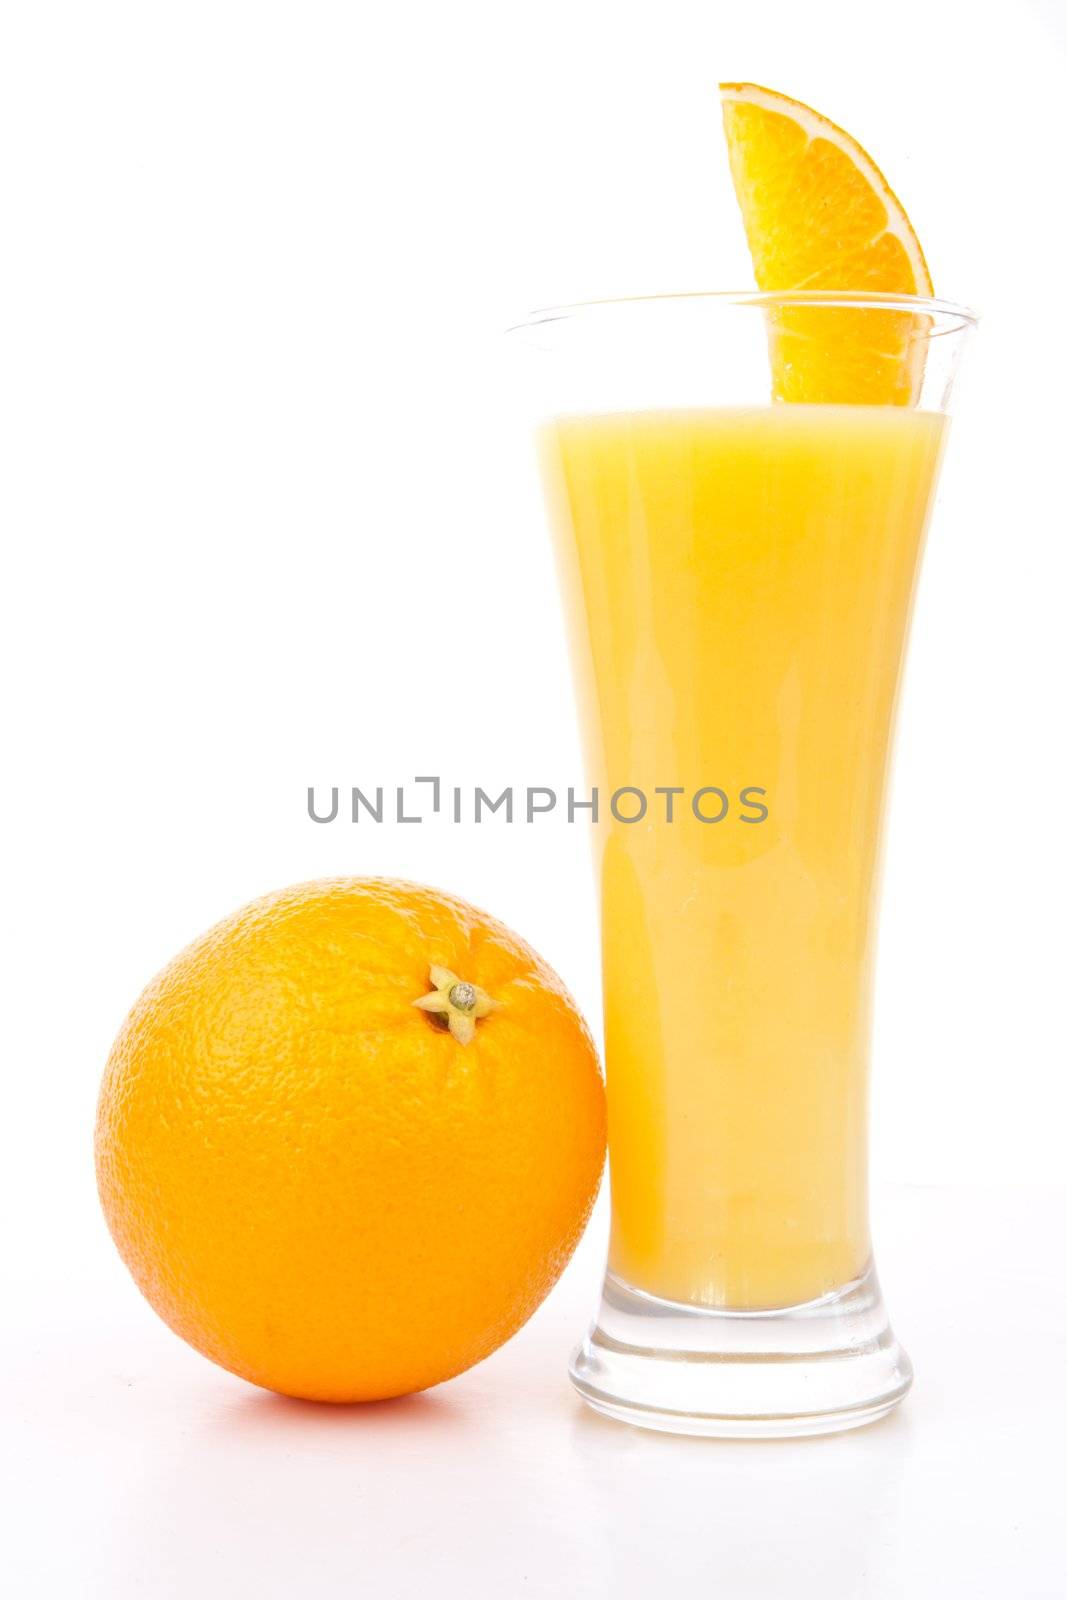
(816, 1368)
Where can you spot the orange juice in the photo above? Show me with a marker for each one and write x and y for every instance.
(739, 584)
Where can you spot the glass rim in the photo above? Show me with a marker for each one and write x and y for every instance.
(953, 317)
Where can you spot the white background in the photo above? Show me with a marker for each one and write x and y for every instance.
(269, 523)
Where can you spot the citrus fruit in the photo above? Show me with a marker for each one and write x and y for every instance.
(819, 215)
(349, 1138)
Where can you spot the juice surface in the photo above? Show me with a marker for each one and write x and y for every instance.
(739, 584)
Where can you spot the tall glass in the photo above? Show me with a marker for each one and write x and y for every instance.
(739, 487)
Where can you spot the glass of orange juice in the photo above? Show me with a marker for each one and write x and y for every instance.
(738, 572)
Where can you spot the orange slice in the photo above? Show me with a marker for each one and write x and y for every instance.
(819, 215)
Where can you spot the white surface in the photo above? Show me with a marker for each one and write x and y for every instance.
(140, 1472)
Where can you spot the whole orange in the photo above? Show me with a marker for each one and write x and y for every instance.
(334, 1173)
